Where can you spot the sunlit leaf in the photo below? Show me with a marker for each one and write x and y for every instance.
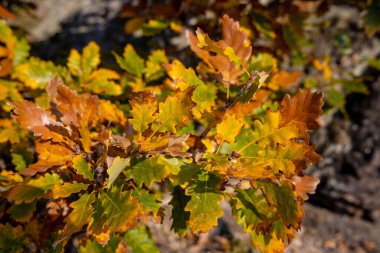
(33, 189)
(80, 215)
(117, 166)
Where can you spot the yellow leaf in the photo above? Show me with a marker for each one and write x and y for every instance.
(285, 79)
(324, 67)
(90, 58)
(182, 77)
(66, 189)
(228, 129)
(111, 112)
(142, 115)
(175, 111)
(104, 74)
(74, 63)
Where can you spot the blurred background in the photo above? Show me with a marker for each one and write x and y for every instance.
(335, 43)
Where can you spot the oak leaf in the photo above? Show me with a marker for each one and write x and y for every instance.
(254, 211)
(204, 205)
(82, 167)
(23, 211)
(80, 215)
(140, 240)
(148, 171)
(142, 114)
(305, 185)
(119, 208)
(284, 79)
(131, 61)
(232, 51)
(29, 191)
(66, 189)
(228, 128)
(117, 166)
(302, 111)
(31, 117)
(175, 111)
(179, 216)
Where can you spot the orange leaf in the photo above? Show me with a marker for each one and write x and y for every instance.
(285, 79)
(49, 155)
(305, 185)
(31, 117)
(73, 107)
(302, 111)
(233, 37)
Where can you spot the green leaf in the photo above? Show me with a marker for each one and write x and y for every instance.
(253, 210)
(33, 189)
(204, 205)
(264, 134)
(119, 208)
(92, 246)
(18, 161)
(353, 86)
(22, 212)
(374, 63)
(140, 240)
(117, 166)
(35, 73)
(263, 25)
(80, 215)
(179, 216)
(74, 63)
(154, 69)
(131, 61)
(147, 200)
(337, 99)
(90, 58)
(251, 87)
(83, 167)
(372, 18)
(284, 199)
(263, 62)
(204, 97)
(21, 51)
(183, 77)
(147, 171)
(154, 26)
(83, 65)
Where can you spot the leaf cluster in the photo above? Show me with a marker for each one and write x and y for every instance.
(110, 143)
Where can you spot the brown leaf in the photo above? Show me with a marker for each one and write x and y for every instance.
(73, 107)
(302, 111)
(49, 155)
(178, 145)
(31, 117)
(232, 37)
(305, 185)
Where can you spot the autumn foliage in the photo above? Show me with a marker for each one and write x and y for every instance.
(110, 144)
